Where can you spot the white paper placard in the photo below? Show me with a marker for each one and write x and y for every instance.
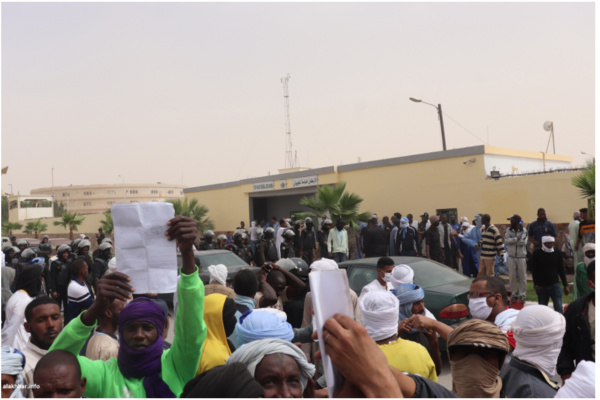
(143, 250)
(331, 295)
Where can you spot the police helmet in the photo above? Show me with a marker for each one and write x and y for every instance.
(244, 236)
(105, 246)
(63, 248)
(301, 270)
(107, 240)
(236, 236)
(308, 220)
(269, 233)
(221, 237)
(289, 234)
(75, 244)
(23, 242)
(28, 254)
(297, 224)
(208, 233)
(8, 248)
(84, 243)
(327, 222)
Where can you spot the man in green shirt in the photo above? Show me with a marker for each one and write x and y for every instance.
(142, 368)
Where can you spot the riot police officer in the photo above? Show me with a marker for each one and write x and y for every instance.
(206, 243)
(287, 246)
(60, 275)
(322, 238)
(101, 262)
(308, 241)
(267, 249)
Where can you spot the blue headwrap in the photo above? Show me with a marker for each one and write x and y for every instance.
(262, 324)
(408, 294)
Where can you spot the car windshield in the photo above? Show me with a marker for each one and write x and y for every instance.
(228, 259)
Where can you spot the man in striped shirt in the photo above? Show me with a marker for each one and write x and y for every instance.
(79, 295)
(491, 245)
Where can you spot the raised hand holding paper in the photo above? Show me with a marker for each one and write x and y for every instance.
(143, 250)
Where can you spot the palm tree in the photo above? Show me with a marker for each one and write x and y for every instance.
(586, 183)
(8, 227)
(71, 221)
(336, 203)
(193, 210)
(107, 223)
(35, 227)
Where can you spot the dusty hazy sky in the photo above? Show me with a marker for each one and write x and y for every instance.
(191, 93)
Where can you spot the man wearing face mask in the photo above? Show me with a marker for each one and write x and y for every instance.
(308, 241)
(385, 265)
(546, 267)
(433, 241)
(337, 242)
(322, 236)
(579, 341)
(488, 301)
(538, 331)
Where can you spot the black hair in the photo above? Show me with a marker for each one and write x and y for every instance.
(373, 221)
(583, 210)
(77, 266)
(245, 283)
(496, 285)
(591, 271)
(541, 209)
(229, 319)
(37, 302)
(58, 357)
(384, 262)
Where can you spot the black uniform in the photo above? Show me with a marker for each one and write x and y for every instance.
(60, 279)
(322, 239)
(308, 240)
(287, 249)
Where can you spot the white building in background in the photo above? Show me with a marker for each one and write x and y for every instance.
(96, 199)
(21, 208)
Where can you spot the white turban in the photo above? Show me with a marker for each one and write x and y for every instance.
(404, 222)
(466, 224)
(581, 384)
(588, 247)
(402, 274)
(112, 266)
(379, 310)
(324, 264)
(217, 273)
(538, 331)
(13, 362)
(547, 239)
(464, 219)
(251, 354)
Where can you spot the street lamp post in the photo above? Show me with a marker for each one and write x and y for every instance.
(439, 110)
(124, 191)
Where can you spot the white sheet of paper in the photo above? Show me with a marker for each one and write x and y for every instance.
(143, 251)
(331, 295)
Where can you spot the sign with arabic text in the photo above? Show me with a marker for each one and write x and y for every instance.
(264, 186)
(306, 181)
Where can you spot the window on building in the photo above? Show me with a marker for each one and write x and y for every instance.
(170, 192)
(133, 192)
(111, 192)
(87, 203)
(154, 192)
(87, 193)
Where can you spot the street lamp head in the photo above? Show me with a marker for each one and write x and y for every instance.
(415, 100)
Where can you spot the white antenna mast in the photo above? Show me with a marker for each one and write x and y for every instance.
(290, 160)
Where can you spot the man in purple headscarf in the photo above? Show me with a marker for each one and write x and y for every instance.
(142, 368)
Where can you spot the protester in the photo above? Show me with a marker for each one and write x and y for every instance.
(581, 276)
(262, 324)
(217, 282)
(104, 344)
(337, 242)
(476, 350)
(278, 366)
(538, 331)
(58, 374)
(44, 322)
(546, 267)
(380, 310)
(587, 230)
(80, 298)
(540, 228)
(579, 342)
(142, 368)
(374, 241)
(285, 285)
(407, 239)
(28, 285)
(385, 265)
(13, 362)
(411, 300)
(224, 381)
(322, 238)
(433, 242)
(582, 384)
(488, 301)
(491, 245)
(219, 316)
(516, 239)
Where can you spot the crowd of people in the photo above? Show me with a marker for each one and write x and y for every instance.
(72, 326)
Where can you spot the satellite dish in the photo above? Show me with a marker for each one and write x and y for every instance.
(548, 126)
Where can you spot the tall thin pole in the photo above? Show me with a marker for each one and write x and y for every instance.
(439, 107)
(289, 158)
(53, 192)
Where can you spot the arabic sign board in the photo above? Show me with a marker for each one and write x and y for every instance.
(306, 181)
(264, 186)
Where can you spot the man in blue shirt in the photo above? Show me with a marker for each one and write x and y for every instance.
(539, 228)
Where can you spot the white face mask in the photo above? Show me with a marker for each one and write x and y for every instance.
(387, 277)
(479, 308)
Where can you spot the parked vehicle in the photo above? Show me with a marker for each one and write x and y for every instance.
(205, 258)
(445, 289)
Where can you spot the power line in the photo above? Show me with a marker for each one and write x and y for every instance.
(471, 133)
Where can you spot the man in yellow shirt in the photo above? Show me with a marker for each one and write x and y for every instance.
(380, 317)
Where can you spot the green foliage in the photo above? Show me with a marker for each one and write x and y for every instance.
(336, 203)
(107, 223)
(8, 227)
(59, 208)
(35, 227)
(586, 183)
(70, 221)
(193, 210)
